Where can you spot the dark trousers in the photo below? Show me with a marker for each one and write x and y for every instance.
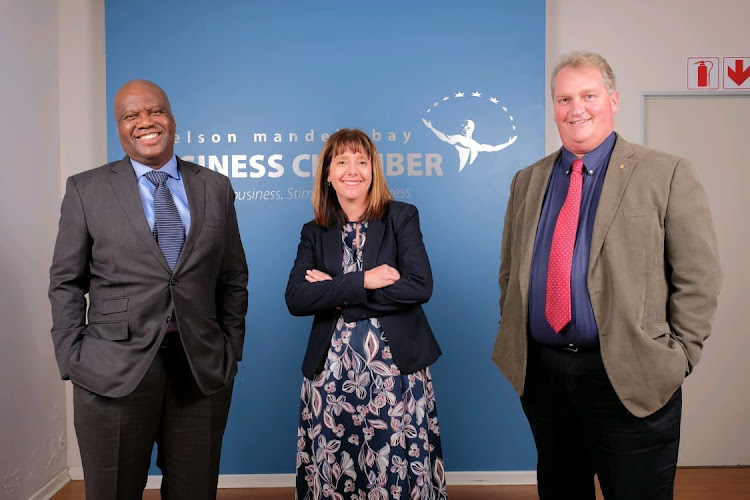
(581, 428)
(116, 435)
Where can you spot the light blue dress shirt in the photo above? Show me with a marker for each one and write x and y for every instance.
(175, 185)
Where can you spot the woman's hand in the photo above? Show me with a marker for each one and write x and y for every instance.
(380, 277)
(313, 276)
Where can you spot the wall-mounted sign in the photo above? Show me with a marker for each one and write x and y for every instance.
(713, 73)
(736, 73)
(703, 73)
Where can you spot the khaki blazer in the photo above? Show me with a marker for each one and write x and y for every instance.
(653, 274)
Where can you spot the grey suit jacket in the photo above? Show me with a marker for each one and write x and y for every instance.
(653, 274)
(105, 248)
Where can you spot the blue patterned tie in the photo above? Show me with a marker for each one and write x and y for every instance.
(168, 229)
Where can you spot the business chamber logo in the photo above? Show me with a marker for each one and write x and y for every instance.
(275, 164)
(472, 124)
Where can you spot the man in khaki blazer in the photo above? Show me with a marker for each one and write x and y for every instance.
(602, 394)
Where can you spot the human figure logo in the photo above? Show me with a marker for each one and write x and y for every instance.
(467, 146)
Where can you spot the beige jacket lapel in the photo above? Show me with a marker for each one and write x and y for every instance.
(532, 210)
(622, 163)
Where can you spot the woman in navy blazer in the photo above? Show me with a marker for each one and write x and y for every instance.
(363, 272)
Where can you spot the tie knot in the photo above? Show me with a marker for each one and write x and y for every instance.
(578, 165)
(157, 177)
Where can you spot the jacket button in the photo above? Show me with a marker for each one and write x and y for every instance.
(168, 319)
(173, 281)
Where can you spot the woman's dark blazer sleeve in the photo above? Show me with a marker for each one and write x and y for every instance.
(402, 248)
(395, 240)
(304, 298)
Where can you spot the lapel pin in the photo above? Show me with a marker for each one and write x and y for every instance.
(622, 165)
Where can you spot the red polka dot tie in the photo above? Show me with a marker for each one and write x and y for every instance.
(557, 308)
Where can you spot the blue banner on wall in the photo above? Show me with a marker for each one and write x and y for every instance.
(453, 96)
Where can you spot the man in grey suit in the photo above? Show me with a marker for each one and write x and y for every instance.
(609, 279)
(153, 240)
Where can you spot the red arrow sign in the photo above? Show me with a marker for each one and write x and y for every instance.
(739, 73)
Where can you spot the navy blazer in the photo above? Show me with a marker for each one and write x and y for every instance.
(395, 240)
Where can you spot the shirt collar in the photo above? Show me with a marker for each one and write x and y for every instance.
(170, 168)
(594, 158)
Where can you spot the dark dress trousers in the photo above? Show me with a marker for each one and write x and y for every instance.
(395, 240)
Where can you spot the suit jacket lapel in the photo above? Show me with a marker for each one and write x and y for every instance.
(125, 186)
(620, 168)
(532, 210)
(195, 189)
(375, 231)
(333, 253)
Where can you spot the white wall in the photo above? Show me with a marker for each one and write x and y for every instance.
(53, 89)
(83, 118)
(32, 420)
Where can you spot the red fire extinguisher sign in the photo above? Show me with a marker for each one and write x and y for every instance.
(703, 73)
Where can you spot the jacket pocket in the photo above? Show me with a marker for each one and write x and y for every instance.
(114, 305)
(659, 331)
(634, 212)
(108, 331)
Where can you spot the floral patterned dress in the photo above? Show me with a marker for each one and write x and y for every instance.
(366, 431)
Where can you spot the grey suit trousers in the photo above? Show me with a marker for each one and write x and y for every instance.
(116, 435)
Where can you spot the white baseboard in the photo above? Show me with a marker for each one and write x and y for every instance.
(478, 478)
(76, 473)
(463, 478)
(225, 480)
(52, 487)
(459, 478)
